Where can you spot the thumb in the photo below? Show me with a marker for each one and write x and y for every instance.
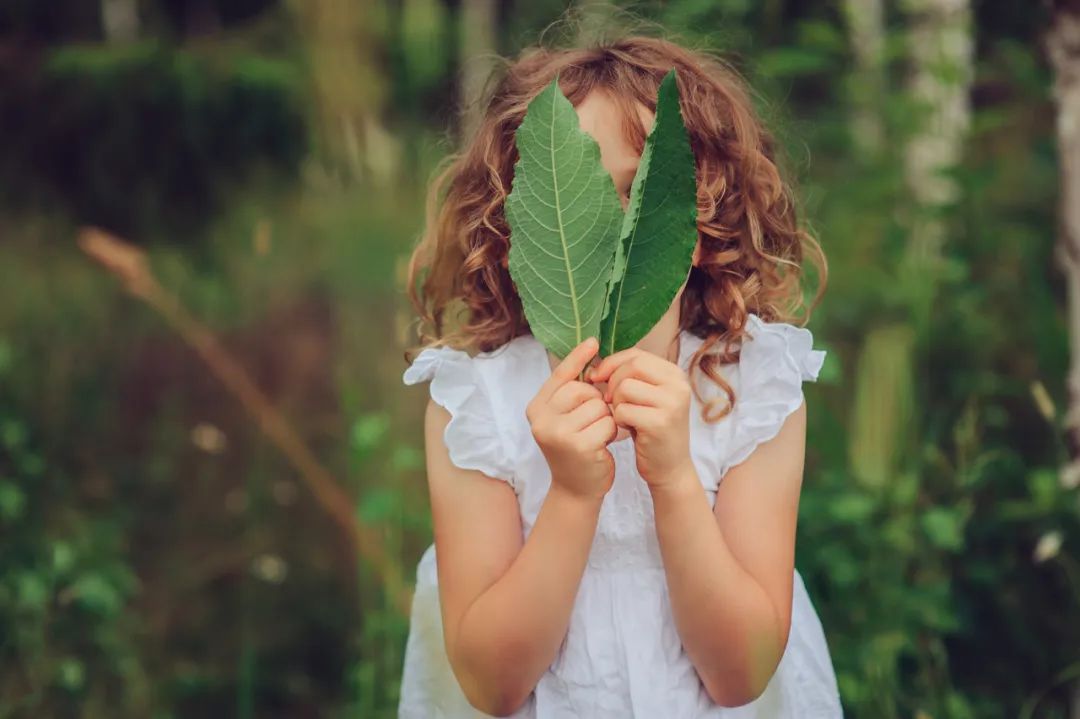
(574, 363)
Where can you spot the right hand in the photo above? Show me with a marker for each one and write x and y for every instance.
(573, 425)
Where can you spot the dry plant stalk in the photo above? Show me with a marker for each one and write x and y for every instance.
(130, 266)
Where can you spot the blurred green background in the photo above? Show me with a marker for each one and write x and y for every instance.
(162, 557)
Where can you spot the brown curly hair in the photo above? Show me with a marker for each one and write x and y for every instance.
(752, 246)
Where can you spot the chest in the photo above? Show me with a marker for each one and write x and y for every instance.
(625, 536)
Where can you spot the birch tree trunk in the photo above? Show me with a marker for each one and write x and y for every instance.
(941, 51)
(1063, 48)
(120, 20)
(866, 28)
(477, 58)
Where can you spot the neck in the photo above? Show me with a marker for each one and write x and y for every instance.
(663, 339)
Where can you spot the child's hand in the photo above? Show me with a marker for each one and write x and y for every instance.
(573, 425)
(651, 397)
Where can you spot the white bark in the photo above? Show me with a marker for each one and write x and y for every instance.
(866, 28)
(941, 51)
(1063, 47)
(120, 20)
(942, 56)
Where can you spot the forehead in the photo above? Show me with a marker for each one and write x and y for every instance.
(620, 134)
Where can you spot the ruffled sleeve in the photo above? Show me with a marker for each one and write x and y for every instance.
(775, 360)
(472, 435)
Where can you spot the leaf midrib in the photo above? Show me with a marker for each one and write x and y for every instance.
(562, 232)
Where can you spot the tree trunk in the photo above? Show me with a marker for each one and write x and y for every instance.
(941, 52)
(1063, 48)
(866, 27)
(477, 59)
(120, 20)
(348, 88)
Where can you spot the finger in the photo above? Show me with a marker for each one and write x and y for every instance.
(634, 416)
(572, 394)
(623, 373)
(635, 391)
(571, 366)
(609, 364)
(587, 413)
(600, 432)
(644, 365)
(633, 369)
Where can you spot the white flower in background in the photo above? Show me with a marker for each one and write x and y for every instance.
(1048, 547)
(208, 438)
(270, 568)
(1070, 476)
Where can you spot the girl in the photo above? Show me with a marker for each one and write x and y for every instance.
(623, 546)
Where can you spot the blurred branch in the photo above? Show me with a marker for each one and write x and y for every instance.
(130, 266)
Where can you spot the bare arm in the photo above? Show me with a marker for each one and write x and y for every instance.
(506, 603)
(730, 568)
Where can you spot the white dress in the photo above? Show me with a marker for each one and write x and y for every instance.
(622, 657)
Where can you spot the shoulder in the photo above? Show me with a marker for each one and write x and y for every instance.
(516, 368)
(786, 343)
(484, 395)
(450, 365)
(775, 359)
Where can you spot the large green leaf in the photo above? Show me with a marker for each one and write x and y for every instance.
(564, 217)
(659, 230)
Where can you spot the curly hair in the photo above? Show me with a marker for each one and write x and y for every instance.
(752, 246)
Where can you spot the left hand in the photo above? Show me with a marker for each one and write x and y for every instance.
(650, 396)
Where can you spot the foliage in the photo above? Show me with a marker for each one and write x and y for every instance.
(162, 561)
(144, 137)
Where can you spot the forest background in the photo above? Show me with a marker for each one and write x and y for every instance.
(212, 496)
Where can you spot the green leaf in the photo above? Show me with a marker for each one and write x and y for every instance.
(659, 230)
(564, 216)
(944, 528)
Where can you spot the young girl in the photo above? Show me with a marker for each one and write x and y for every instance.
(621, 546)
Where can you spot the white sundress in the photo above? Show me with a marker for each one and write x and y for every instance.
(622, 656)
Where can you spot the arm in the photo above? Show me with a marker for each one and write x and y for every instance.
(730, 568)
(506, 604)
